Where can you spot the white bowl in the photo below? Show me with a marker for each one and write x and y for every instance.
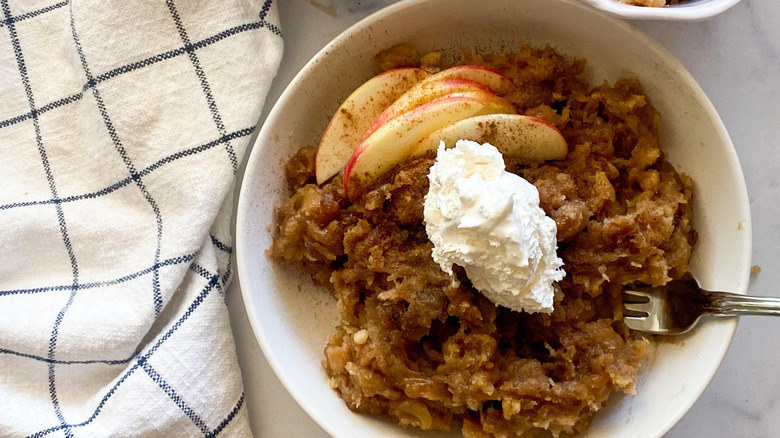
(292, 319)
(687, 10)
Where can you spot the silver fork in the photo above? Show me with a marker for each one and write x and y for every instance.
(676, 307)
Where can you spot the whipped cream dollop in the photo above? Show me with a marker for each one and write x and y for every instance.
(488, 220)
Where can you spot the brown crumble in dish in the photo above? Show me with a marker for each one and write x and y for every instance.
(435, 355)
(650, 3)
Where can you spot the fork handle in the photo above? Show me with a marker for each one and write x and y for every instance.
(727, 304)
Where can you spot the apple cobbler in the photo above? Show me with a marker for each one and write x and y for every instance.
(425, 347)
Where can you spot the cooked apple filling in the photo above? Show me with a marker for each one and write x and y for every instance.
(425, 348)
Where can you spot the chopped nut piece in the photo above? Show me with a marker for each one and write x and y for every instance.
(360, 337)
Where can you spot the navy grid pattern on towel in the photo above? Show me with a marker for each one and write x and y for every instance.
(122, 125)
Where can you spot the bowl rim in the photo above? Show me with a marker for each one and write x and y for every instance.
(241, 219)
(696, 12)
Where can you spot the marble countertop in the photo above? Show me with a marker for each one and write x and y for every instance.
(735, 57)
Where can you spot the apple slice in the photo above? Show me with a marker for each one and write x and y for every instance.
(420, 94)
(477, 73)
(392, 143)
(523, 137)
(460, 78)
(356, 114)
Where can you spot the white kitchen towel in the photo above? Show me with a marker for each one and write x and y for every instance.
(122, 126)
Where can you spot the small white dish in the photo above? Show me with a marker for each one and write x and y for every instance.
(292, 319)
(686, 10)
